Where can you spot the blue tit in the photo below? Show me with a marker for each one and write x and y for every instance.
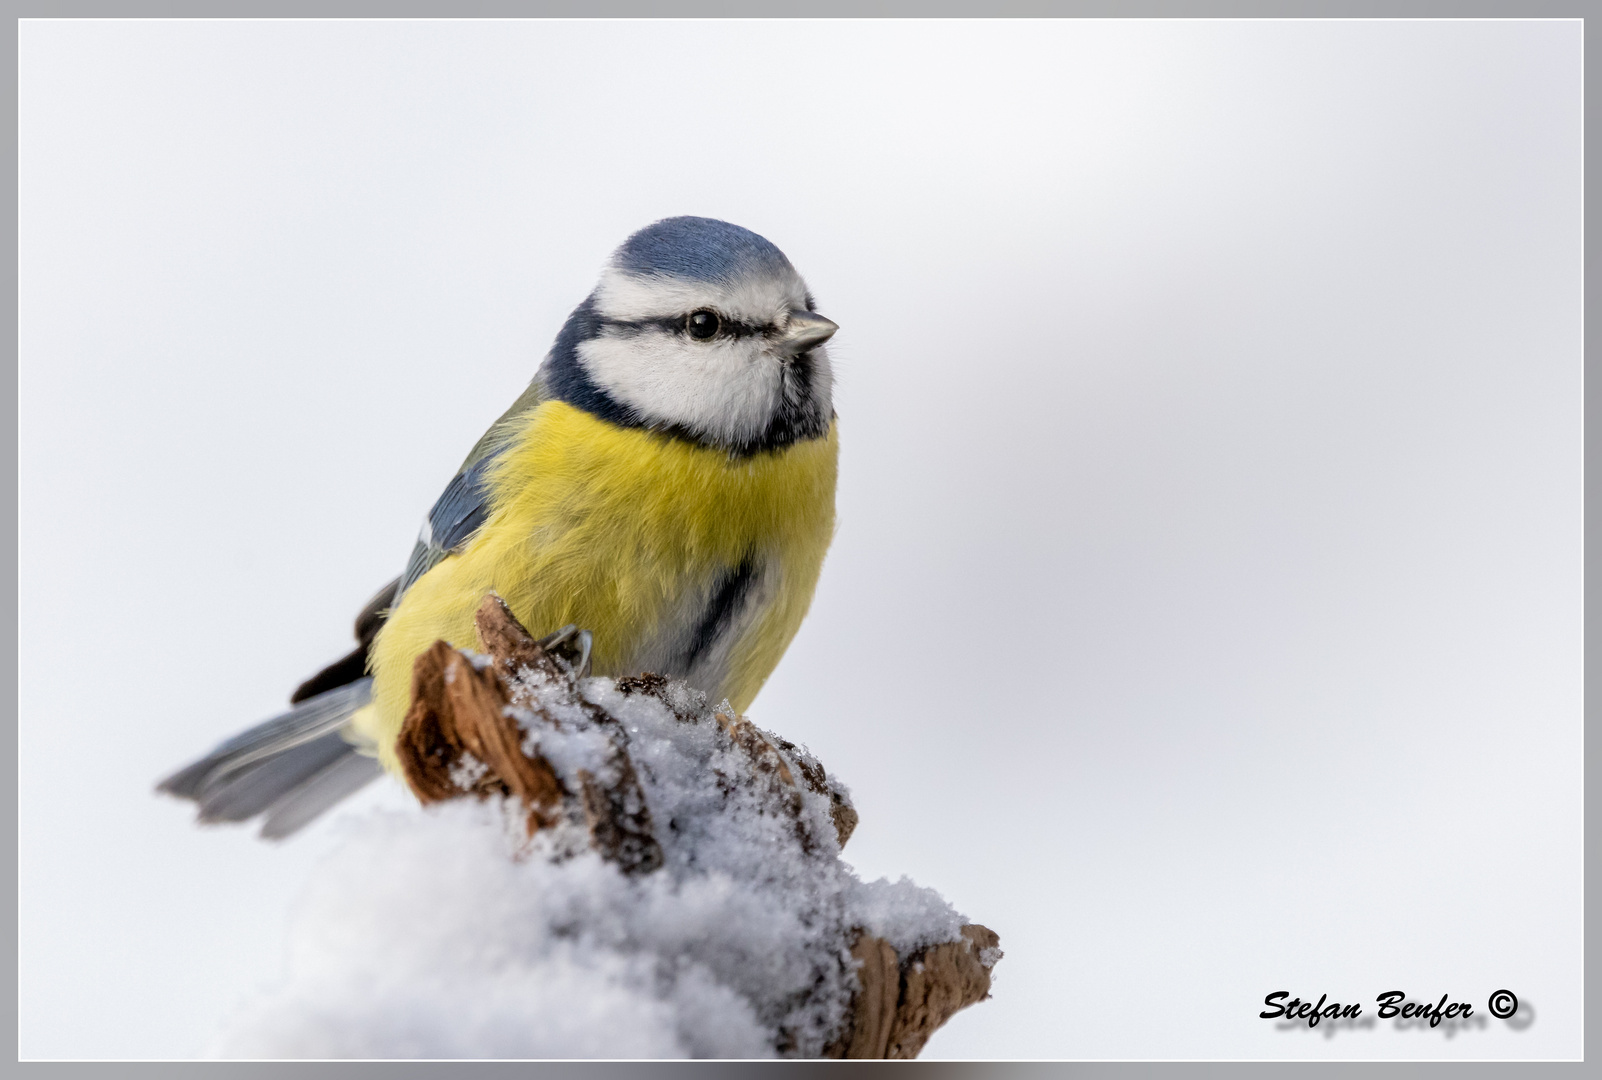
(666, 482)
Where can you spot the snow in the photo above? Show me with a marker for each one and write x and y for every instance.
(443, 933)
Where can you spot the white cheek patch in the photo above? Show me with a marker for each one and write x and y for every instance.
(821, 389)
(724, 390)
(756, 300)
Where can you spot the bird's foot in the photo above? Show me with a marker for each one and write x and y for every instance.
(571, 646)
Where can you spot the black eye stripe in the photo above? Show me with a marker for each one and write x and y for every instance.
(675, 324)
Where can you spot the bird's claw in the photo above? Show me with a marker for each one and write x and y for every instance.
(572, 646)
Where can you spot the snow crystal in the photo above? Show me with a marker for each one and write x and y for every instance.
(431, 934)
(468, 770)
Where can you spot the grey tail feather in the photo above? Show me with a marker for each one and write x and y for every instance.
(347, 774)
(292, 767)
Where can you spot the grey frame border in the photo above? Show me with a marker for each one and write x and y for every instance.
(1211, 9)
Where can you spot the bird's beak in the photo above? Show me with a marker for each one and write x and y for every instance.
(805, 331)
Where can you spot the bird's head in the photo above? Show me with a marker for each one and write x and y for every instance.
(702, 330)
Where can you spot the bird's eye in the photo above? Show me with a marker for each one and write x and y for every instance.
(702, 325)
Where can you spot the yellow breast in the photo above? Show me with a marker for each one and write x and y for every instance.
(619, 530)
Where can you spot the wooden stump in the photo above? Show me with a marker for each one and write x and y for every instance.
(466, 734)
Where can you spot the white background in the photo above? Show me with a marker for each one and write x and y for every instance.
(1204, 615)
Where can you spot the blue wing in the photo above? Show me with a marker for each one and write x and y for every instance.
(457, 515)
(462, 507)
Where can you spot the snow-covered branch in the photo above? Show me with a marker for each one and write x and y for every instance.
(665, 881)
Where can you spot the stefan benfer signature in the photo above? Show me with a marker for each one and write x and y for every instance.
(1392, 1003)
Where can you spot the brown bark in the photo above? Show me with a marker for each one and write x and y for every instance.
(901, 1002)
(873, 1010)
(945, 978)
(457, 740)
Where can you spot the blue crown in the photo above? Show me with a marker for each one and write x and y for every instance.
(703, 249)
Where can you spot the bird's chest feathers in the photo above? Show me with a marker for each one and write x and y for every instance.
(620, 529)
(573, 479)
